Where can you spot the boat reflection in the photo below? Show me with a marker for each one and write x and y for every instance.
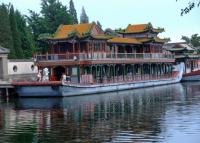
(82, 101)
(125, 116)
(130, 115)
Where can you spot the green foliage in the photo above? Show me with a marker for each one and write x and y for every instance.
(27, 42)
(73, 33)
(84, 18)
(99, 25)
(15, 34)
(119, 30)
(5, 30)
(194, 41)
(149, 25)
(186, 39)
(36, 24)
(110, 33)
(54, 14)
(45, 36)
(161, 29)
(43, 45)
(72, 12)
(191, 5)
(87, 34)
(22, 38)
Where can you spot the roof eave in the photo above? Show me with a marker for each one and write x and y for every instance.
(123, 43)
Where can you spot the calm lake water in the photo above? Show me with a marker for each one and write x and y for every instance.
(167, 114)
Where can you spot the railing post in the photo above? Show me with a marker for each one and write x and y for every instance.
(46, 56)
(35, 57)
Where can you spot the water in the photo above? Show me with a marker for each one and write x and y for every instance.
(166, 114)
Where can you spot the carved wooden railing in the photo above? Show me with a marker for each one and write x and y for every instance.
(102, 56)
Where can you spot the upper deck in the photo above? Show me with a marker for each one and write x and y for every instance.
(101, 57)
(86, 44)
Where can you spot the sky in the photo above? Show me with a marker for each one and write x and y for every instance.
(119, 13)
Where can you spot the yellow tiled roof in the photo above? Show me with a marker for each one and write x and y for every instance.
(143, 40)
(102, 36)
(141, 28)
(159, 30)
(124, 40)
(136, 28)
(64, 31)
(156, 39)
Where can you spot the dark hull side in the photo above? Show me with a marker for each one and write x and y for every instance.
(72, 90)
(192, 76)
(39, 91)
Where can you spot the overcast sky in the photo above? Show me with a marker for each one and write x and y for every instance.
(119, 13)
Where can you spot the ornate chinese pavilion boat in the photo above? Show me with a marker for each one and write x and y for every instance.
(94, 62)
(188, 55)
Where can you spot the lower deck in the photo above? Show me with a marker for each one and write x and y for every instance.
(109, 80)
(106, 73)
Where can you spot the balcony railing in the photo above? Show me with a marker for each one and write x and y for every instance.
(102, 56)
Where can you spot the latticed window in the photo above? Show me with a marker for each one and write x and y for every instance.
(97, 46)
(90, 44)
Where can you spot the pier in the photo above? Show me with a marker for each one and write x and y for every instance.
(5, 88)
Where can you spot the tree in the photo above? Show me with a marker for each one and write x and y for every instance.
(54, 14)
(84, 18)
(27, 43)
(99, 24)
(72, 12)
(5, 31)
(15, 34)
(194, 41)
(191, 5)
(36, 23)
(186, 39)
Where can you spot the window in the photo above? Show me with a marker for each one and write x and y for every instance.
(97, 46)
(32, 67)
(74, 71)
(15, 68)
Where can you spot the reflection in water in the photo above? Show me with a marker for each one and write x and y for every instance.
(159, 114)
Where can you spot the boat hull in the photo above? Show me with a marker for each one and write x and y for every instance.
(85, 90)
(192, 76)
(39, 91)
(59, 89)
(73, 90)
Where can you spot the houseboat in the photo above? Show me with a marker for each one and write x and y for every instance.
(188, 55)
(82, 59)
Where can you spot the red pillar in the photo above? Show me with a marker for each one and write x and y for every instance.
(73, 47)
(87, 47)
(52, 77)
(59, 49)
